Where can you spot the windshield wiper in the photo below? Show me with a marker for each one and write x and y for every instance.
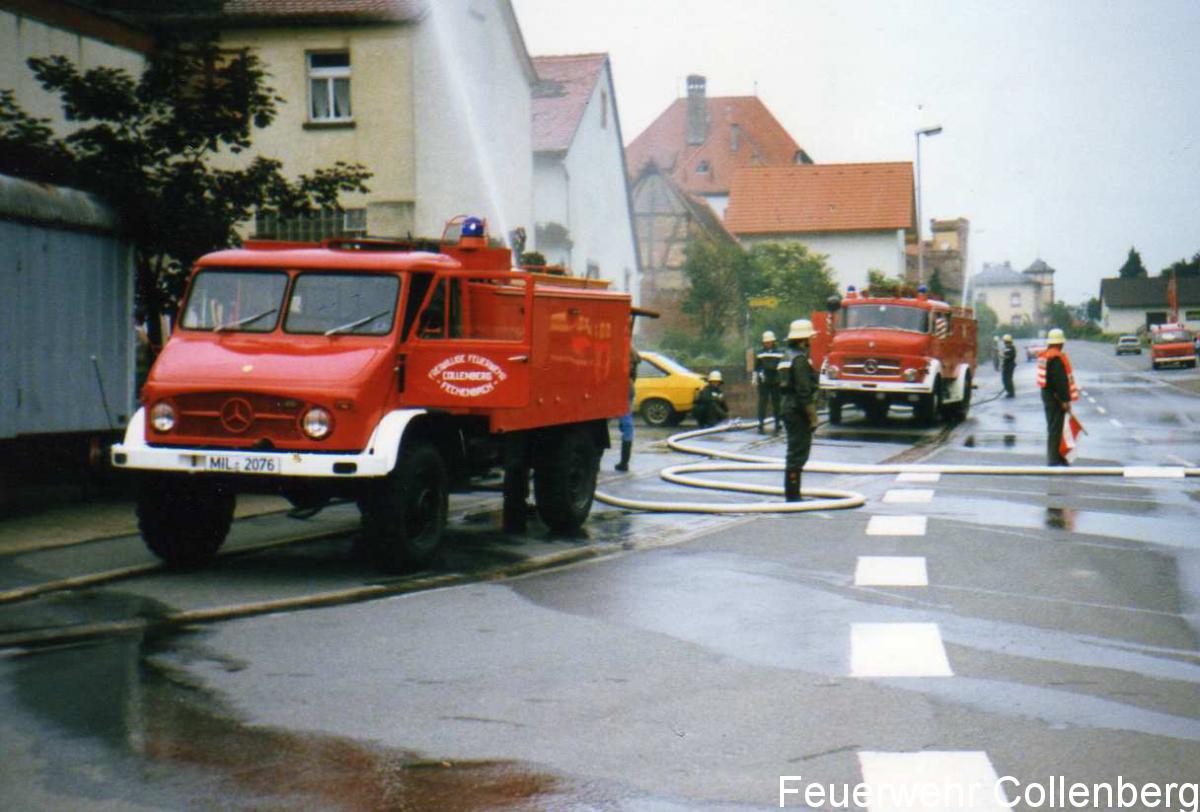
(358, 323)
(243, 322)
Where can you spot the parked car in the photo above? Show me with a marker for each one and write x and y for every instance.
(1033, 349)
(664, 390)
(1130, 344)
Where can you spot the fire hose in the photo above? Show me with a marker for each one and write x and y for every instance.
(827, 499)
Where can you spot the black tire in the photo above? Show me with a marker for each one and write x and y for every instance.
(404, 516)
(657, 412)
(564, 480)
(184, 520)
(929, 407)
(963, 408)
(835, 411)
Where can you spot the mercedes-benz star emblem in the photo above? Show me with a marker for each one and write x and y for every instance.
(871, 366)
(236, 415)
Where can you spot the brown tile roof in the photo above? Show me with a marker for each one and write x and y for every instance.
(565, 83)
(821, 197)
(762, 141)
(324, 10)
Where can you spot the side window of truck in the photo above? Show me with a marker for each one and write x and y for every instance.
(442, 313)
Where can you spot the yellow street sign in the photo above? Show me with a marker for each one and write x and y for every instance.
(763, 302)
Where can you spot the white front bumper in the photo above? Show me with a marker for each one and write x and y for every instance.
(897, 387)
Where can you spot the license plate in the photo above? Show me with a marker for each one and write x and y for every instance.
(222, 464)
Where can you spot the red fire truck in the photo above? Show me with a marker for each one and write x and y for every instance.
(370, 370)
(885, 347)
(1171, 344)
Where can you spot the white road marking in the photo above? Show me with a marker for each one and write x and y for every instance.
(896, 526)
(891, 570)
(897, 650)
(1101, 409)
(918, 476)
(932, 780)
(908, 495)
(1090, 399)
(1084, 393)
(1152, 472)
(1116, 422)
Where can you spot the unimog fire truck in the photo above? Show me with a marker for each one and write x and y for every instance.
(886, 347)
(369, 370)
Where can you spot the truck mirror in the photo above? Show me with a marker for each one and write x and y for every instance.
(834, 303)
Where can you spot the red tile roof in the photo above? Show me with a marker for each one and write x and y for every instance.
(325, 10)
(565, 83)
(761, 141)
(821, 197)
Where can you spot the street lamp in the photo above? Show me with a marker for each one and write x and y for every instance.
(920, 242)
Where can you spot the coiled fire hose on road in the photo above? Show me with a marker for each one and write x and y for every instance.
(827, 499)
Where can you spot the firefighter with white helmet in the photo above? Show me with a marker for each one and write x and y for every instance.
(798, 382)
(709, 406)
(1008, 364)
(1056, 379)
(766, 379)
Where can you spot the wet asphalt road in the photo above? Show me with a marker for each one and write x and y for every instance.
(705, 657)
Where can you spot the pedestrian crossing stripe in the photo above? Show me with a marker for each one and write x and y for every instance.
(890, 570)
(931, 780)
(908, 495)
(919, 476)
(896, 526)
(897, 650)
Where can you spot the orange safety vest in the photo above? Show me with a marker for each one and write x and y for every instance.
(1044, 358)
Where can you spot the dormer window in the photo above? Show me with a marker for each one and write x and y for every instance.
(702, 168)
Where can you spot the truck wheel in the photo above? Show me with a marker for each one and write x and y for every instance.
(929, 407)
(405, 515)
(835, 411)
(963, 407)
(657, 412)
(564, 480)
(184, 520)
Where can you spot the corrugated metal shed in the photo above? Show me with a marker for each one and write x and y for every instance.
(66, 295)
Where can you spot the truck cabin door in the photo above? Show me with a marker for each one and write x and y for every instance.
(467, 343)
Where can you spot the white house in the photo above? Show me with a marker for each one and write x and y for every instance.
(1017, 298)
(581, 196)
(1132, 305)
(856, 214)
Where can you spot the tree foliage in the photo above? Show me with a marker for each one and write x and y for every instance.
(1133, 267)
(718, 276)
(1184, 267)
(1094, 309)
(796, 278)
(146, 146)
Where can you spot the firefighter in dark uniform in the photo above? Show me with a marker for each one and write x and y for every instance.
(766, 378)
(798, 382)
(1057, 382)
(709, 406)
(625, 422)
(1008, 363)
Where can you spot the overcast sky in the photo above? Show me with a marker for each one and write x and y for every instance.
(1071, 127)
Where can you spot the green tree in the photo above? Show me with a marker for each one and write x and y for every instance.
(795, 277)
(1094, 310)
(936, 288)
(146, 146)
(1061, 316)
(1133, 267)
(987, 326)
(1184, 267)
(718, 286)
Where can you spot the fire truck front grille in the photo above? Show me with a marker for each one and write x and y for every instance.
(233, 414)
(872, 366)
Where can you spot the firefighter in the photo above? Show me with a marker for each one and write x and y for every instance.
(798, 382)
(766, 378)
(709, 406)
(625, 422)
(1057, 382)
(1009, 355)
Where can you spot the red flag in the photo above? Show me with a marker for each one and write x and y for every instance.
(1173, 298)
(1072, 428)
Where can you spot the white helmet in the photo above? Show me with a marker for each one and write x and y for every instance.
(768, 336)
(715, 376)
(1055, 336)
(801, 328)
(1007, 337)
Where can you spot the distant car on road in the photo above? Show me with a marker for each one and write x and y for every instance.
(664, 390)
(1033, 349)
(1129, 344)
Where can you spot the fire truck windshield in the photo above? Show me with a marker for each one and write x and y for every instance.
(884, 316)
(342, 304)
(242, 301)
(1171, 336)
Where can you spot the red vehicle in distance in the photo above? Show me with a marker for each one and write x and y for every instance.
(380, 372)
(1171, 344)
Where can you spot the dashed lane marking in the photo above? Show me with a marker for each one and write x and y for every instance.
(897, 650)
(932, 780)
(918, 476)
(1101, 409)
(890, 570)
(1153, 472)
(908, 496)
(1116, 422)
(896, 526)
(1091, 399)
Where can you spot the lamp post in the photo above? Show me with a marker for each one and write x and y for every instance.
(921, 243)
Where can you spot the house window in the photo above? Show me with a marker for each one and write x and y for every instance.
(1015, 299)
(329, 86)
(320, 225)
(1192, 315)
(1016, 321)
(702, 168)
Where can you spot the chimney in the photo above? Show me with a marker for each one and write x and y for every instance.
(697, 119)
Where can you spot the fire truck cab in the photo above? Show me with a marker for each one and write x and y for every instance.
(883, 347)
(1171, 344)
(382, 372)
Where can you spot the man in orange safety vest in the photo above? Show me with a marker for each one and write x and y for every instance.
(1057, 382)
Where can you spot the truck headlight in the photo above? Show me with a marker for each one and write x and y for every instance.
(910, 374)
(832, 371)
(317, 423)
(162, 417)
